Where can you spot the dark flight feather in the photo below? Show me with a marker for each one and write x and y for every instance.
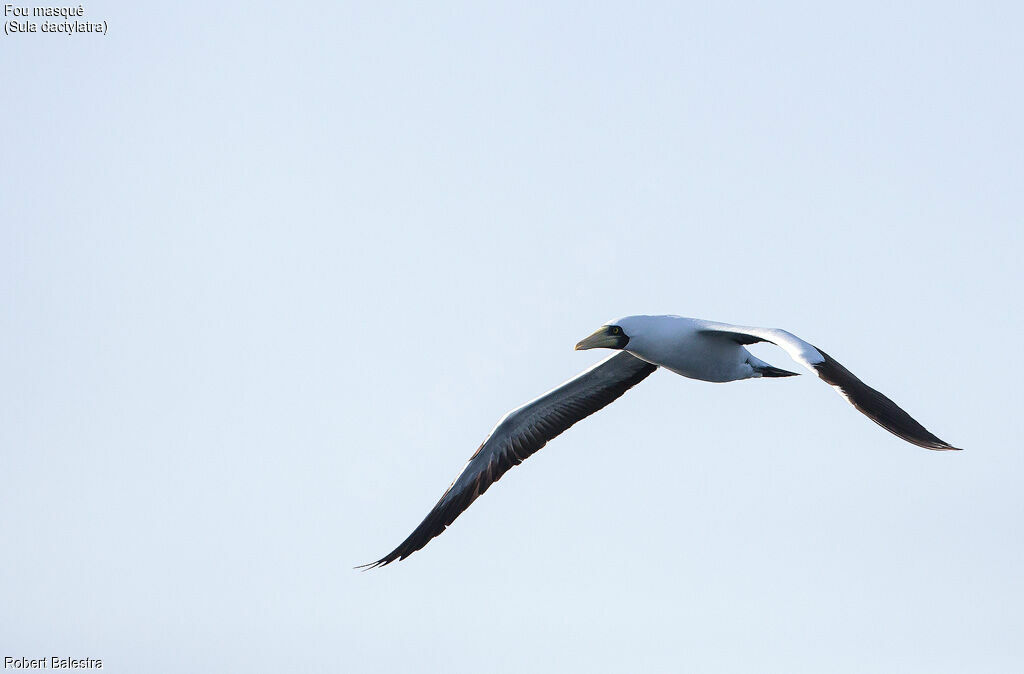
(519, 435)
(876, 406)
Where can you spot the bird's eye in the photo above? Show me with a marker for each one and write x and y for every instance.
(616, 330)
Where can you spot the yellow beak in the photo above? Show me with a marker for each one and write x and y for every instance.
(602, 339)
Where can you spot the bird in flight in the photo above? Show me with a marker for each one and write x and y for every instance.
(691, 347)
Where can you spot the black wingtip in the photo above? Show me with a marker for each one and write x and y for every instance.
(395, 555)
(933, 443)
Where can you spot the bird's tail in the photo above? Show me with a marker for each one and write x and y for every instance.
(769, 371)
(763, 369)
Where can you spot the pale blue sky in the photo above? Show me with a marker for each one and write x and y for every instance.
(270, 273)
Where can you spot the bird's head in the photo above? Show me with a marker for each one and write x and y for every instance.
(610, 336)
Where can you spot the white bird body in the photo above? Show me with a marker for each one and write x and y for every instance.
(691, 347)
(678, 344)
(701, 349)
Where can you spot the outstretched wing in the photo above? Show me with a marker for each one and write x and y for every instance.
(521, 433)
(873, 404)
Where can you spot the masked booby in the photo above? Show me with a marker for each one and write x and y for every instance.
(691, 347)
